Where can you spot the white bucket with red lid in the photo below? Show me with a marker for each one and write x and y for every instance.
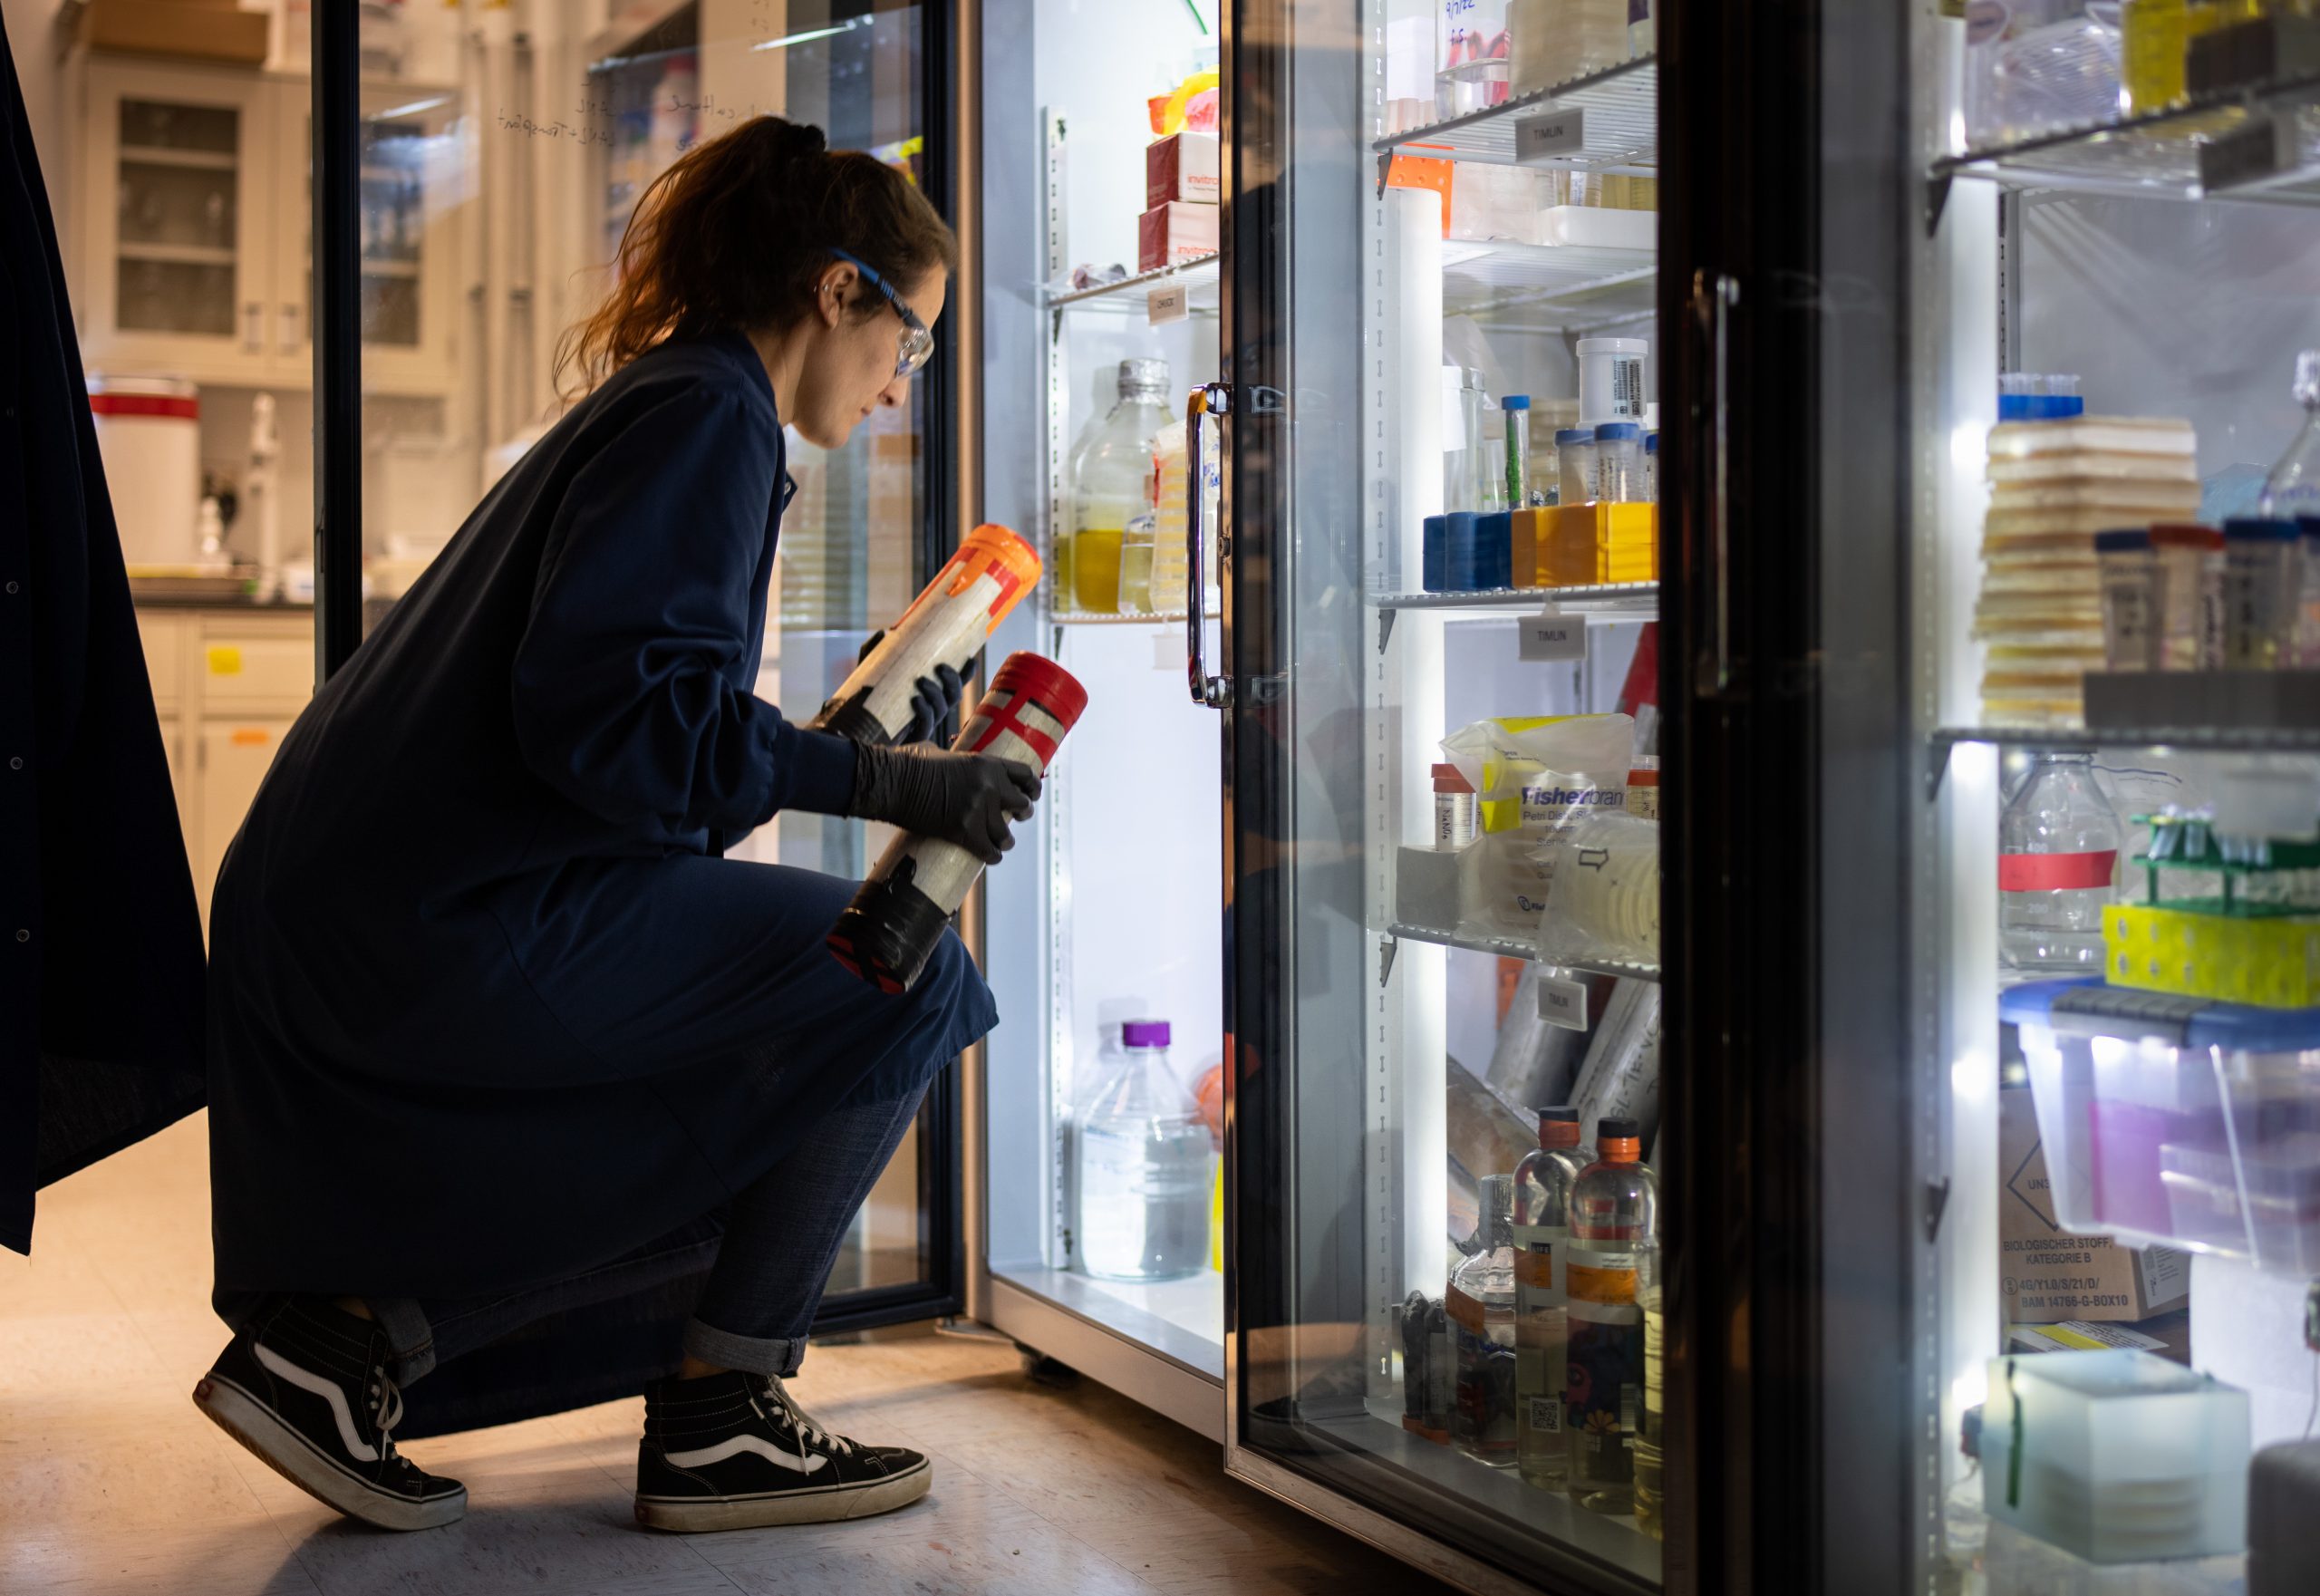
(149, 433)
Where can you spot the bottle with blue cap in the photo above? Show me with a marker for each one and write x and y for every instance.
(1575, 464)
(1651, 466)
(1619, 462)
(2263, 590)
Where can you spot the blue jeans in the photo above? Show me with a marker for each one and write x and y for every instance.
(768, 1253)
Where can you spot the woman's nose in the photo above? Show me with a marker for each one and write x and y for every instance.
(894, 392)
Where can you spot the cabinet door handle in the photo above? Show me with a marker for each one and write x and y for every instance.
(291, 328)
(1214, 692)
(254, 327)
(1713, 296)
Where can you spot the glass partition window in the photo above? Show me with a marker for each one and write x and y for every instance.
(498, 172)
(1447, 1106)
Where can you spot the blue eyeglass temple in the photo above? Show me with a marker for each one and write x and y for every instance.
(909, 316)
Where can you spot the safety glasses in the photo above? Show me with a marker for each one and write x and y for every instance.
(918, 342)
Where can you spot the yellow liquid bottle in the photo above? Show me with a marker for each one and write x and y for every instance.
(2154, 37)
(1095, 569)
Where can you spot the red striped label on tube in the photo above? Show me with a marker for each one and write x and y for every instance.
(2055, 871)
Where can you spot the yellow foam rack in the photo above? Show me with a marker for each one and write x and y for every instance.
(2271, 963)
(1580, 545)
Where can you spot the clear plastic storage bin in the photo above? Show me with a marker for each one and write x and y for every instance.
(2119, 1456)
(2177, 1120)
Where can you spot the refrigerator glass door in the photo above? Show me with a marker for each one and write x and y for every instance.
(1442, 654)
(1100, 1236)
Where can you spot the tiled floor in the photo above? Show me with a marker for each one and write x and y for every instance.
(111, 1482)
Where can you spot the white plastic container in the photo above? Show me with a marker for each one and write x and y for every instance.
(1595, 227)
(148, 434)
(1610, 380)
(2118, 1456)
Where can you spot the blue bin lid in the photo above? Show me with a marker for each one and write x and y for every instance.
(2092, 1006)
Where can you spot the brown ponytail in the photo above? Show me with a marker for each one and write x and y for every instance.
(738, 231)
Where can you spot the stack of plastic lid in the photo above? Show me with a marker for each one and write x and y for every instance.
(2053, 484)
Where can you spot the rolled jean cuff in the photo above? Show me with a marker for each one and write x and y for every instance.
(407, 1333)
(778, 1355)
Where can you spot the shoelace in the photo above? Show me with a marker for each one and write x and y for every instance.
(387, 1397)
(805, 1425)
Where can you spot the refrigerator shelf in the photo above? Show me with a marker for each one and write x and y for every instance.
(2220, 740)
(1587, 287)
(1131, 295)
(1608, 599)
(2157, 155)
(1621, 133)
(1154, 618)
(1507, 947)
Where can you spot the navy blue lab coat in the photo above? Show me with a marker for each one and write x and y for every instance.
(486, 1010)
(99, 942)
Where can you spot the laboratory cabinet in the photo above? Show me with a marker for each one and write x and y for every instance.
(227, 683)
(191, 203)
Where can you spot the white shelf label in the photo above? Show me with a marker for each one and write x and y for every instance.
(1562, 1003)
(1170, 302)
(1551, 636)
(1550, 136)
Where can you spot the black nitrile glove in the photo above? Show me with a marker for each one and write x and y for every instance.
(962, 799)
(933, 700)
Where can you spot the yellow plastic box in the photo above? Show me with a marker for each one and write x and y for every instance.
(2270, 964)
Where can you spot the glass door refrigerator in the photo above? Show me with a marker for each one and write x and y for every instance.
(2108, 284)
(1431, 646)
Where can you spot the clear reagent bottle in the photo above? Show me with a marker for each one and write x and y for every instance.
(1614, 1215)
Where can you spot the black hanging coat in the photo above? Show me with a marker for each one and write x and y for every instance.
(101, 967)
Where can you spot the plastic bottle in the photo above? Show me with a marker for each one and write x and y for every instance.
(2057, 849)
(1614, 1215)
(1142, 1156)
(1610, 380)
(2154, 37)
(2294, 486)
(1480, 1305)
(1650, 1486)
(1575, 456)
(1543, 1188)
(2263, 590)
(1112, 484)
(1619, 462)
(1651, 467)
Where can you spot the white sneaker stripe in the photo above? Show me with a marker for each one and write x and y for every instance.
(734, 1446)
(329, 1391)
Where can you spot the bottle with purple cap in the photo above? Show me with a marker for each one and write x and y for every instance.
(1142, 1153)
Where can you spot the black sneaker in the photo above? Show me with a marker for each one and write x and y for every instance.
(304, 1385)
(734, 1451)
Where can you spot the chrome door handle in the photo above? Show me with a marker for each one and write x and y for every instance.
(1213, 693)
(1713, 296)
